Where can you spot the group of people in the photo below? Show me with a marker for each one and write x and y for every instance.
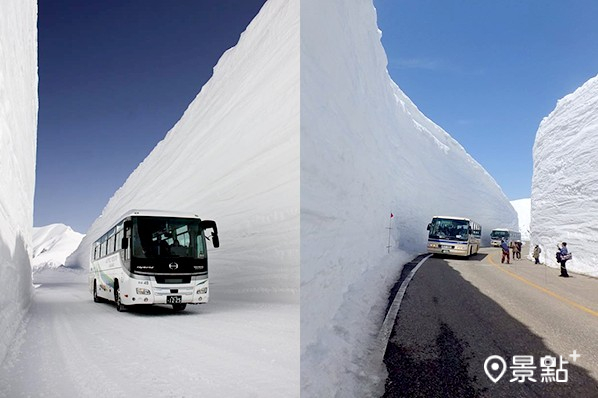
(562, 255)
(507, 248)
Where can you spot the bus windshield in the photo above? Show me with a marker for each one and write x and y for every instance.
(499, 234)
(166, 237)
(443, 228)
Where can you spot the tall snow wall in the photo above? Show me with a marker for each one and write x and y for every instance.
(565, 180)
(234, 157)
(366, 151)
(18, 132)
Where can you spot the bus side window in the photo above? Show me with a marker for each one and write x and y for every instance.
(118, 241)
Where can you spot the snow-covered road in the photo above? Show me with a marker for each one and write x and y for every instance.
(70, 346)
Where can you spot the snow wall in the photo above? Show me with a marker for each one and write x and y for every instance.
(18, 132)
(233, 157)
(565, 181)
(366, 151)
(523, 207)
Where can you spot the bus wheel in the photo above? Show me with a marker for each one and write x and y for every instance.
(179, 307)
(96, 299)
(120, 307)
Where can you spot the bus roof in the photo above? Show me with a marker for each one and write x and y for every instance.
(157, 213)
(453, 218)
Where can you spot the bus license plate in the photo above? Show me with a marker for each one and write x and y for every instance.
(173, 299)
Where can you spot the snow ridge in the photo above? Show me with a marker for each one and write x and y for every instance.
(52, 244)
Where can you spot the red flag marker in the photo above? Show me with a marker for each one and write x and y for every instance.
(389, 228)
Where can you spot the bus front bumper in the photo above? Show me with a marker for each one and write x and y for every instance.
(455, 250)
(168, 294)
(166, 298)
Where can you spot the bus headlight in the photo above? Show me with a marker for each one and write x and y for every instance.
(203, 290)
(141, 290)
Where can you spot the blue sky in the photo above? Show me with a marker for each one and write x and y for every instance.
(488, 72)
(114, 77)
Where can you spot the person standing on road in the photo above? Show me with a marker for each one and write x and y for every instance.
(518, 245)
(536, 254)
(564, 257)
(505, 252)
(513, 246)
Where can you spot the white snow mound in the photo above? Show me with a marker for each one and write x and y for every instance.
(52, 244)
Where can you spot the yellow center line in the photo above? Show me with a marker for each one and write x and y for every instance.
(543, 289)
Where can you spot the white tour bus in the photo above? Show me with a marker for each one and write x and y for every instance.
(153, 257)
(453, 235)
(498, 234)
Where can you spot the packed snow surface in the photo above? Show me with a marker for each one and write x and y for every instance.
(73, 347)
(367, 152)
(523, 207)
(52, 244)
(565, 180)
(18, 126)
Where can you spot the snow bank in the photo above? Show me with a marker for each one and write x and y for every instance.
(18, 124)
(234, 157)
(523, 207)
(565, 180)
(366, 151)
(52, 244)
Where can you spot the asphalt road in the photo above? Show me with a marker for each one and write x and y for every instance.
(458, 312)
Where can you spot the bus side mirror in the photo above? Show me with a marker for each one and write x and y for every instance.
(209, 224)
(124, 244)
(429, 226)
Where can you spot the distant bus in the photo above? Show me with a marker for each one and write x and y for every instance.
(498, 234)
(453, 235)
(152, 257)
